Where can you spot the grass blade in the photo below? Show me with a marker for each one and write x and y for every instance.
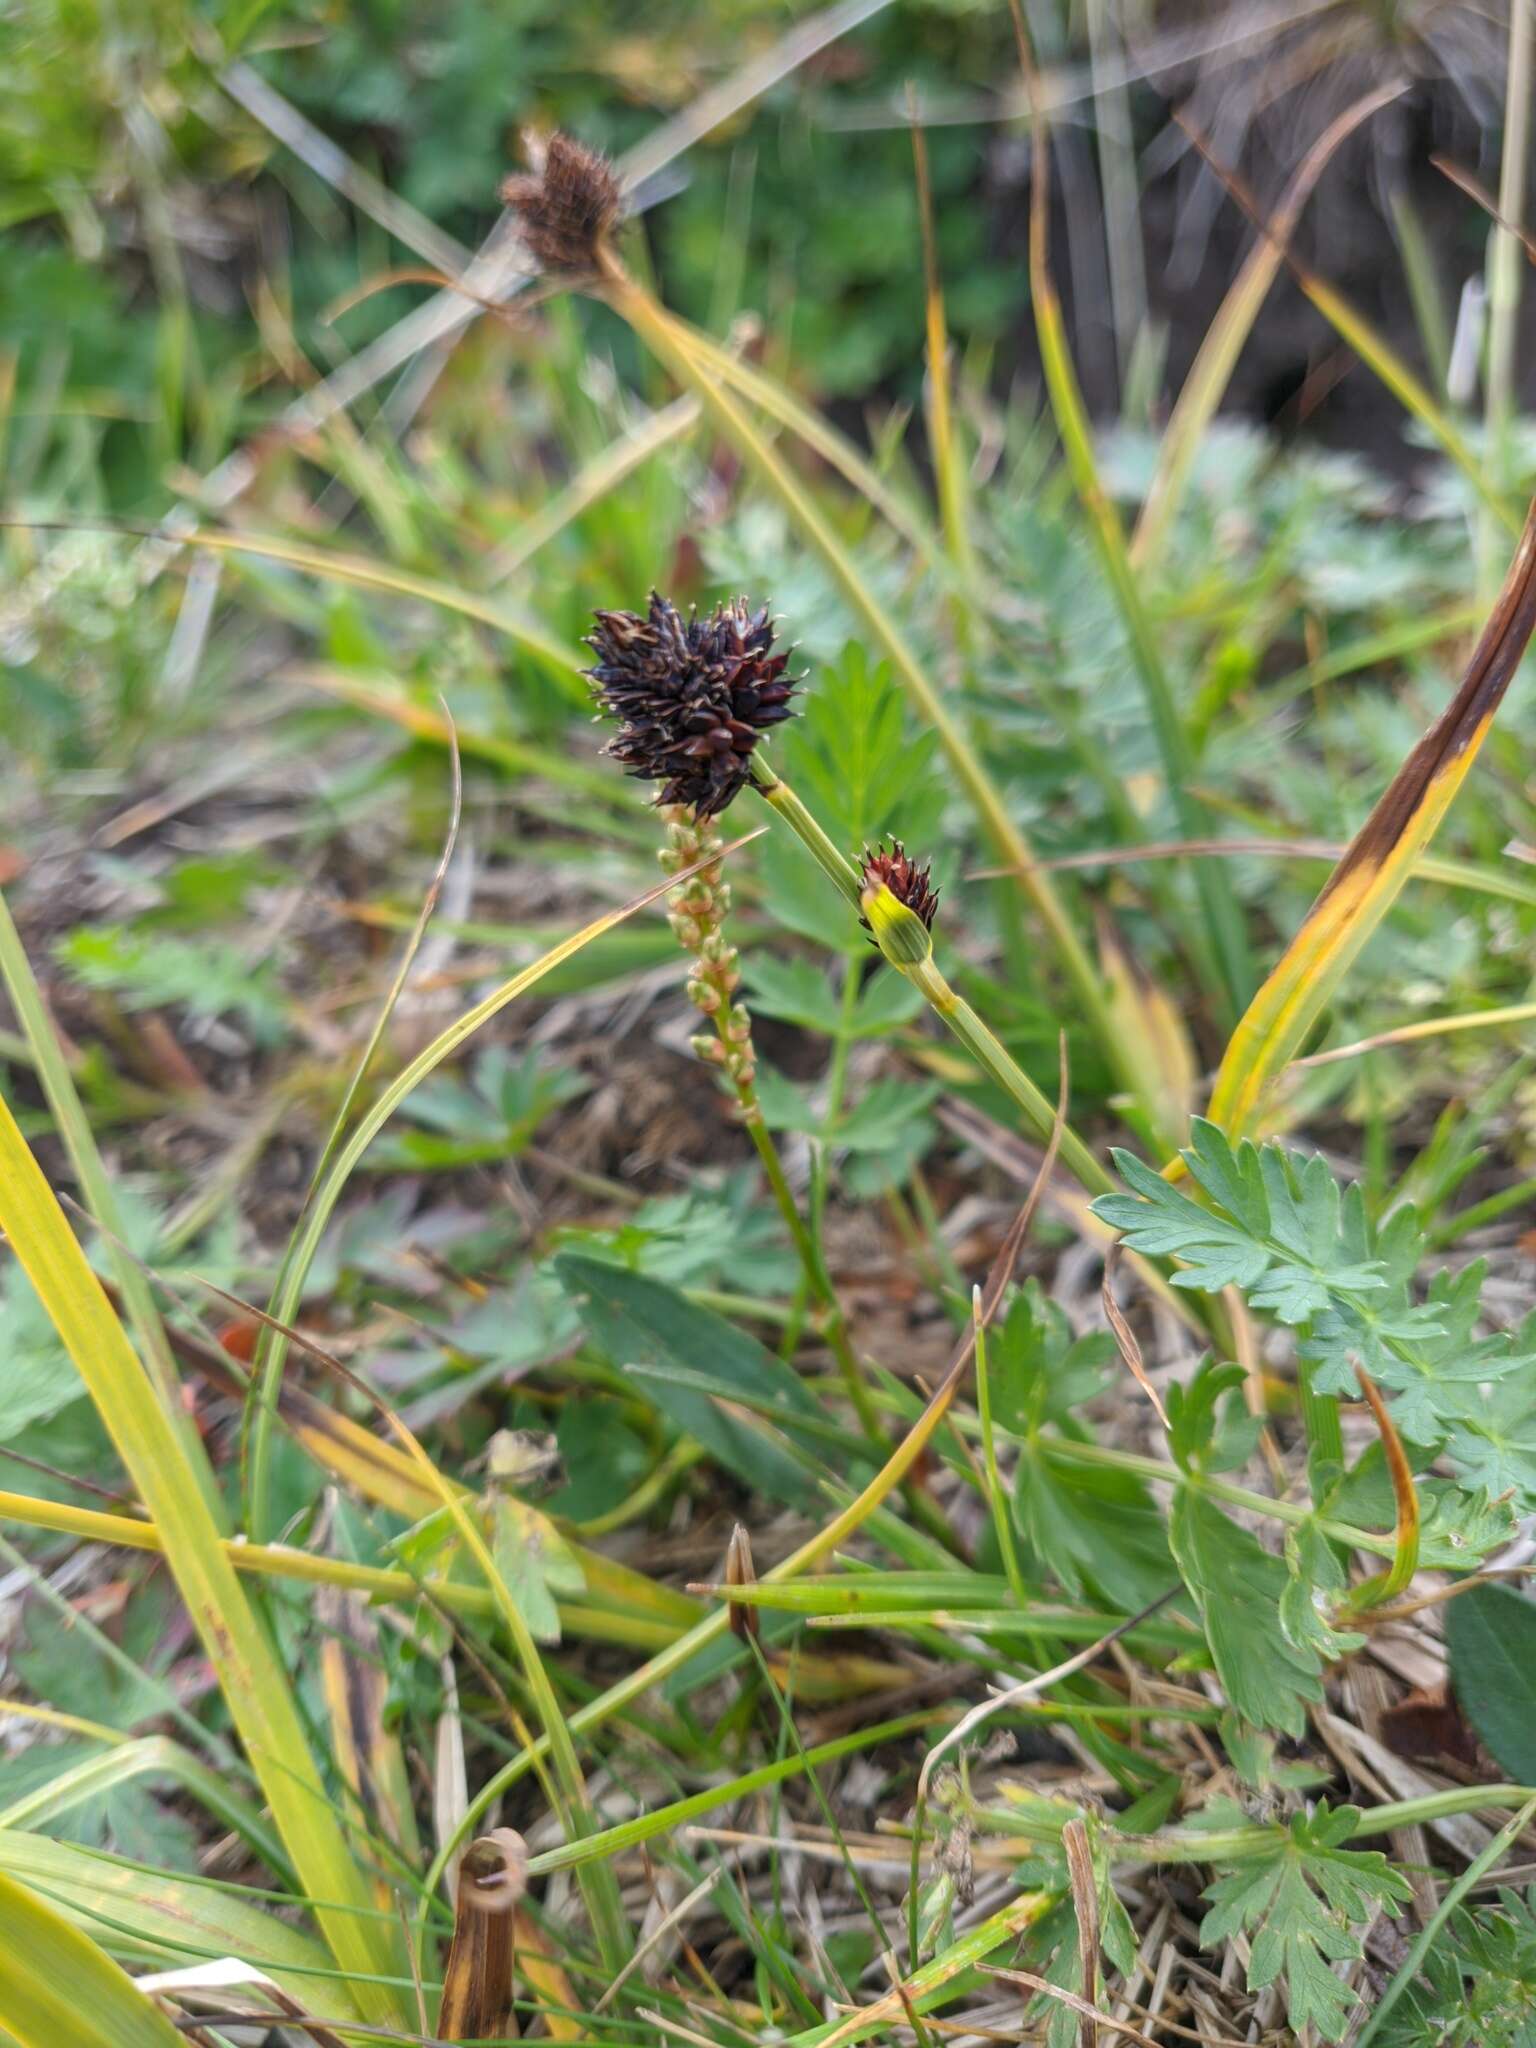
(152, 1916)
(1378, 860)
(59, 1990)
(346, 1156)
(1216, 359)
(257, 1689)
(74, 1128)
(1368, 345)
(1228, 939)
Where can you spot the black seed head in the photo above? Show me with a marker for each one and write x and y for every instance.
(907, 879)
(692, 698)
(567, 201)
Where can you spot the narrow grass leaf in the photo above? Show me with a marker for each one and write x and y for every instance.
(151, 1916)
(1378, 860)
(257, 1689)
(1215, 360)
(59, 1990)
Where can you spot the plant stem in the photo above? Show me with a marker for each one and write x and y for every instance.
(1506, 267)
(952, 1009)
(997, 1500)
(669, 342)
(1411, 1964)
(697, 918)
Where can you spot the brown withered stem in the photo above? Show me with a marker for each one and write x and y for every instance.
(479, 1983)
(567, 202)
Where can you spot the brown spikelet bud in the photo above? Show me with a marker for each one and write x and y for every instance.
(692, 698)
(908, 880)
(739, 1572)
(897, 903)
(567, 202)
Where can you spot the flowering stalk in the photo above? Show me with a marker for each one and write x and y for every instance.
(570, 203)
(697, 914)
(906, 942)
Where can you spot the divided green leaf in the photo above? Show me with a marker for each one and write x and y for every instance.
(1301, 1904)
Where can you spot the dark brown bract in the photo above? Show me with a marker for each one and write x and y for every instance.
(907, 879)
(567, 202)
(692, 698)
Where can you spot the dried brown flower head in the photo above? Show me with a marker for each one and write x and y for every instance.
(907, 879)
(567, 201)
(692, 699)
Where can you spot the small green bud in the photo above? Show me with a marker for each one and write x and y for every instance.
(899, 932)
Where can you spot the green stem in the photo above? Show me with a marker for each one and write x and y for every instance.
(671, 346)
(997, 1500)
(999, 1064)
(1413, 1962)
(1213, 883)
(1320, 1414)
(948, 1006)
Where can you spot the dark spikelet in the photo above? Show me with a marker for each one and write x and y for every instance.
(567, 201)
(692, 698)
(907, 879)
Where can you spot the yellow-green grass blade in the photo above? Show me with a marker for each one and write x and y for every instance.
(363, 571)
(1223, 920)
(74, 1128)
(1410, 391)
(258, 1441)
(59, 1990)
(1216, 358)
(638, 1621)
(822, 438)
(383, 699)
(151, 1916)
(1378, 356)
(345, 1158)
(256, 1688)
(1379, 859)
(1425, 1027)
(943, 446)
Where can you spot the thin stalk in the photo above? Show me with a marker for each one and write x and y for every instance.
(697, 916)
(1488, 1211)
(1320, 1415)
(1223, 918)
(1423, 280)
(1475, 1871)
(1506, 268)
(939, 412)
(952, 1009)
(671, 346)
(997, 1500)
(635, 1684)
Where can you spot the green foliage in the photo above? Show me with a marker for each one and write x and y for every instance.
(1277, 1225)
(695, 1367)
(1477, 1988)
(492, 1116)
(153, 970)
(1300, 1906)
(1490, 1641)
(1089, 1529)
(855, 759)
